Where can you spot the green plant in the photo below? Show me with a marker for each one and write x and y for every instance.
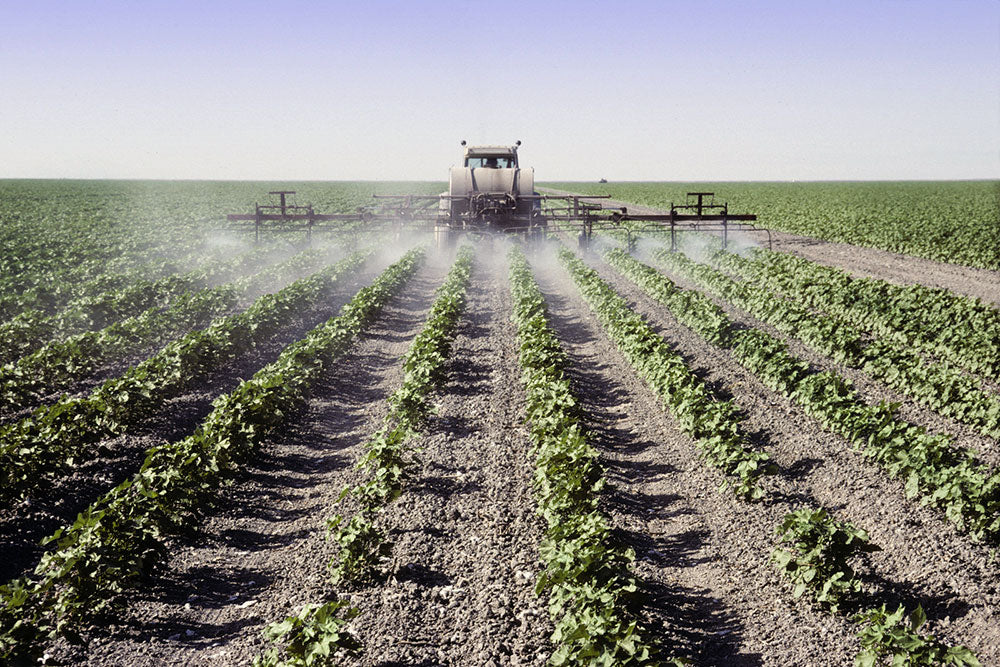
(387, 459)
(819, 560)
(122, 534)
(316, 636)
(362, 547)
(586, 574)
(893, 638)
(714, 424)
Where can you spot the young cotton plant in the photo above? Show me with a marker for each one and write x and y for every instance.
(893, 638)
(314, 637)
(587, 575)
(819, 560)
(388, 458)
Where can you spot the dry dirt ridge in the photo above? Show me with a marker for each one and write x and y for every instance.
(460, 585)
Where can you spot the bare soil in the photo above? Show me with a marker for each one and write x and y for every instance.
(459, 586)
(924, 560)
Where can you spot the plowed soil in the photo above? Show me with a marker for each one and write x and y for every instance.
(459, 586)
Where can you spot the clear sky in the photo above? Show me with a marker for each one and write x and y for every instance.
(673, 90)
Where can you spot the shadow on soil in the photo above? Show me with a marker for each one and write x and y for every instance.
(685, 621)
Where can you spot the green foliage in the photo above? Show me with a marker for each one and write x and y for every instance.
(940, 475)
(588, 577)
(714, 424)
(316, 636)
(819, 560)
(57, 364)
(934, 321)
(42, 444)
(122, 534)
(70, 240)
(362, 547)
(894, 639)
(387, 457)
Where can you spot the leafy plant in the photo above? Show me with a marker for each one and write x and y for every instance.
(587, 575)
(122, 534)
(893, 638)
(387, 458)
(316, 636)
(940, 475)
(362, 544)
(819, 560)
(714, 424)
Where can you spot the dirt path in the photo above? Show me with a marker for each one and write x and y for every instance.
(702, 556)
(261, 553)
(862, 261)
(923, 560)
(115, 459)
(465, 557)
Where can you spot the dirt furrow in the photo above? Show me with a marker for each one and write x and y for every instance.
(466, 535)
(924, 560)
(262, 553)
(702, 555)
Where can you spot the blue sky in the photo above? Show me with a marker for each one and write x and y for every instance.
(765, 90)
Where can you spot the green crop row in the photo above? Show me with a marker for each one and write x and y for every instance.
(46, 292)
(123, 534)
(936, 385)
(57, 364)
(387, 455)
(318, 630)
(588, 577)
(36, 447)
(959, 328)
(948, 479)
(820, 558)
(712, 423)
(33, 328)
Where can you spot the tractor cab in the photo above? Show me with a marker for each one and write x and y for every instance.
(491, 157)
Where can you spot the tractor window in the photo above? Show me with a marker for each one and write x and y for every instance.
(503, 162)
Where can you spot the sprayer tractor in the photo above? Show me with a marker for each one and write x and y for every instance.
(490, 193)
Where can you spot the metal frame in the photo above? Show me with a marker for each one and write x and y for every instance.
(578, 212)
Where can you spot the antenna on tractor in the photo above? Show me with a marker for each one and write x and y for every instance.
(517, 143)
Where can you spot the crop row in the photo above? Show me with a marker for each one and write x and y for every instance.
(319, 628)
(387, 455)
(587, 574)
(33, 328)
(39, 445)
(712, 423)
(817, 561)
(123, 534)
(27, 287)
(819, 555)
(946, 478)
(941, 323)
(936, 385)
(57, 364)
